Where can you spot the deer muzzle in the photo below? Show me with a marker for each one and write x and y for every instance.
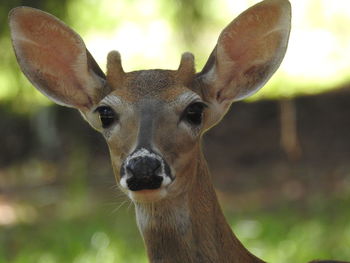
(145, 170)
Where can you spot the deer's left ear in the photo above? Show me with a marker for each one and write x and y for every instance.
(249, 50)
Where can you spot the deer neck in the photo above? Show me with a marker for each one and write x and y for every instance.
(190, 227)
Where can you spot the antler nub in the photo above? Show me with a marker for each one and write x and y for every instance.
(186, 70)
(115, 72)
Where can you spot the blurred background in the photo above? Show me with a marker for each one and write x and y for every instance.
(280, 160)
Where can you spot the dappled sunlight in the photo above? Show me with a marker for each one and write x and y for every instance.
(136, 45)
(7, 214)
(301, 241)
(13, 213)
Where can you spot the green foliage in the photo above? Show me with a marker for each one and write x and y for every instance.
(291, 234)
(96, 237)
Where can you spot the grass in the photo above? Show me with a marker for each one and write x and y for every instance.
(292, 235)
(93, 236)
(87, 231)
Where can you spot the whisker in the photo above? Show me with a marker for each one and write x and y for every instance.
(120, 205)
(130, 204)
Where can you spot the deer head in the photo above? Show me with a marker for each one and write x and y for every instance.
(152, 120)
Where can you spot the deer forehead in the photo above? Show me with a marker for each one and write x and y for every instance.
(154, 105)
(151, 85)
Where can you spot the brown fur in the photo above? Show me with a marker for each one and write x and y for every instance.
(192, 238)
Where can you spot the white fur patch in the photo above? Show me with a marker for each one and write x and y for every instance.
(188, 97)
(123, 182)
(174, 214)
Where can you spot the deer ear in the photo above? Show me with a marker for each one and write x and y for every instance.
(54, 58)
(249, 50)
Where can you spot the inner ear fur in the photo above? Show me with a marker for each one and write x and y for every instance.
(249, 50)
(54, 58)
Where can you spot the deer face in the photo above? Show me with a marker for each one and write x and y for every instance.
(152, 120)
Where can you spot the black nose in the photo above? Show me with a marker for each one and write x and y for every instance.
(143, 171)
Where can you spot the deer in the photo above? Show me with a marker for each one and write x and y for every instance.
(153, 120)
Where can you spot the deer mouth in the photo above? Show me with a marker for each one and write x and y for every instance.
(148, 196)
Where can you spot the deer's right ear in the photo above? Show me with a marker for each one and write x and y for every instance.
(54, 58)
(249, 50)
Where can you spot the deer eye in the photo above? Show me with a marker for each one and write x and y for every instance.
(107, 116)
(193, 114)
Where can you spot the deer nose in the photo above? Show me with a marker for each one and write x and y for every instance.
(143, 173)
